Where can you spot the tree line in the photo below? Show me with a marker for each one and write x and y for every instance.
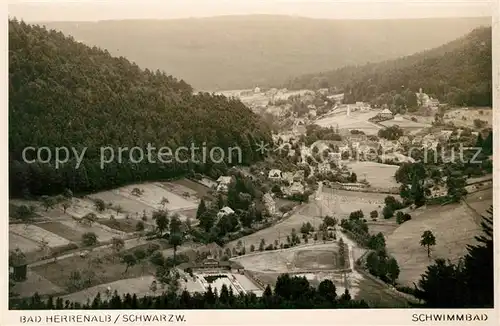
(288, 293)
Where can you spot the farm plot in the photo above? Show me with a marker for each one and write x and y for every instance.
(134, 208)
(199, 189)
(97, 267)
(377, 174)
(341, 203)
(405, 124)
(35, 283)
(357, 120)
(138, 285)
(278, 231)
(62, 230)
(55, 214)
(180, 188)
(385, 227)
(23, 244)
(480, 201)
(453, 226)
(465, 117)
(153, 194)
(37, 234)
(322, 256)
(124, 225)
(103, 234)
(82, 207)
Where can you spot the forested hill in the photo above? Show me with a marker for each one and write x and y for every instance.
(235, 52)
(458, 73)
(64, 93)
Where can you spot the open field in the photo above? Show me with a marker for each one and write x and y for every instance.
(377, 174)
(23, 244)
(405, 124)
(199, 189)
(153, 194)
(35, 283)
(133, 207)
(480, 201)
(103, 234)
(278, 231)
(378, 295)
(55, 214)
(340, 203)
(356, 120)
(38, 235)
(100, 268)
(81, 207)
(320, 256)
(453, 226)
(123, 225)
(138, 285)
(386, 227)
(62, 230)
(456, 116)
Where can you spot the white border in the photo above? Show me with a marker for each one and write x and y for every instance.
(257, 317)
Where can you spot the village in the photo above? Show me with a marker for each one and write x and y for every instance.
(329, 179)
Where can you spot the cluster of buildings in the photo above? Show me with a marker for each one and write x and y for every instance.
(425, 100)
(222, 186)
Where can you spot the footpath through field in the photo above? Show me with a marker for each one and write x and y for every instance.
(129, 243)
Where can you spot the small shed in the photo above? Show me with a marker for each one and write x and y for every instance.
(18, 267)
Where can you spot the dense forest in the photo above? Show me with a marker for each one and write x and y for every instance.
(235, 52)
(63, 93)
(458, 73)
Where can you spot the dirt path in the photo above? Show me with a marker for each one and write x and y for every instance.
(130, 243)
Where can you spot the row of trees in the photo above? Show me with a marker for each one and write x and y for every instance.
(289, 293)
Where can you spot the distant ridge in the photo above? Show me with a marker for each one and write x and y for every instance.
(458, 73)
(235, 52)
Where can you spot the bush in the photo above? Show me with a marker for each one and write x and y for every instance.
(139, 226)
(388, 212)
(269, 247)
(140, 254)
(286, 208)
(157, 259)
(406, 289)
(401, 218)
(152, 247)
(89, 239)
(356, 215)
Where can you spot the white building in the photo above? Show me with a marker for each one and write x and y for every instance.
(386, 113)
(324, 167)
(398, 117)
(223, 183)
(269, 203)
(224, 211)
(275, 174)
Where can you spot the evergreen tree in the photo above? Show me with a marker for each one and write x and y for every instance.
(201, 209)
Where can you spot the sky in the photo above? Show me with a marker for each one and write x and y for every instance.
(93, 10)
